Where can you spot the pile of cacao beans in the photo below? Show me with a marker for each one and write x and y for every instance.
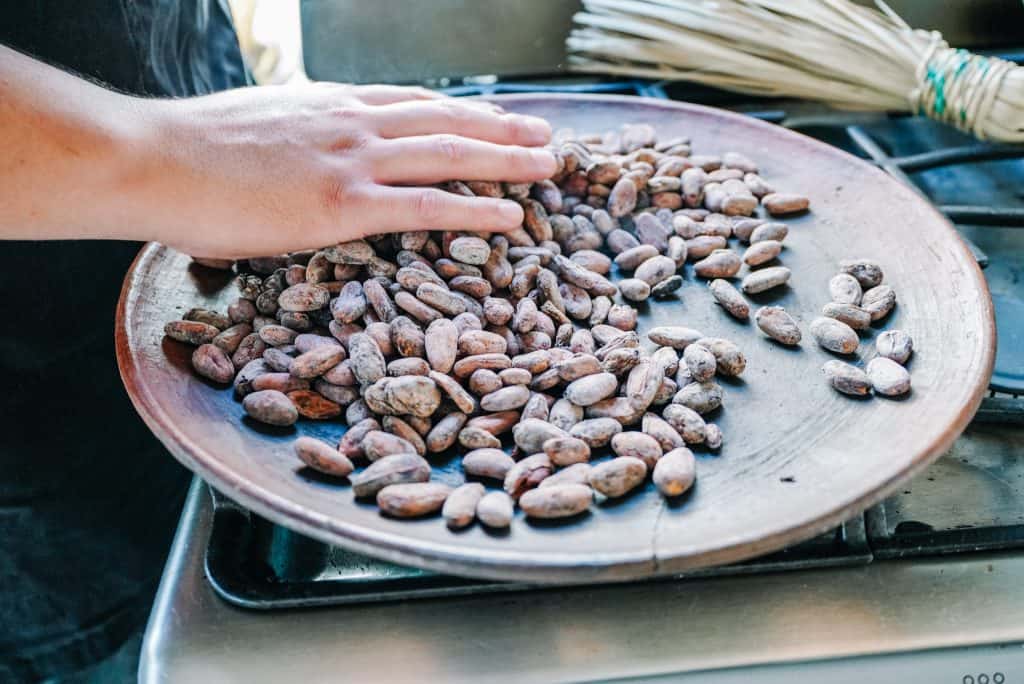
(425, 342)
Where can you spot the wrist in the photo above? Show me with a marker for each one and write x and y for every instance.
(136, 139)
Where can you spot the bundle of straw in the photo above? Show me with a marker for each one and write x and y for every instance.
(846, 55)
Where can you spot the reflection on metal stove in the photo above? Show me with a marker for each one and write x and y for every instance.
(256, 564)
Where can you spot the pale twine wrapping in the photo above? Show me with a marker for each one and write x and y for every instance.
(843, 54)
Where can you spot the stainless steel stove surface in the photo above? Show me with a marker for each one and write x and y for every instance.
(923, 587)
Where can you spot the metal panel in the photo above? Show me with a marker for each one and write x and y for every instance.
(404, 41)
(969, 500)
(592, 633)
(400, 41)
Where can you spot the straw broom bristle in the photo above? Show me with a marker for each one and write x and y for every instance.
(846, 55)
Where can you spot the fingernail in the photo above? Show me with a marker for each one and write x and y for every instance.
(543, 158)
(539, 129)
(510, 211)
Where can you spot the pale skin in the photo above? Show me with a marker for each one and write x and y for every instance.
(250, 172)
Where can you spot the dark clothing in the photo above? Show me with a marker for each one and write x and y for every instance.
(88, 497)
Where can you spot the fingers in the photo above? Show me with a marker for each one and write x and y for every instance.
(434, 158)
(464, 118)
(391, 210)
(387, 94)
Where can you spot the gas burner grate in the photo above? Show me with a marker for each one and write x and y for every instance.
(899, 167)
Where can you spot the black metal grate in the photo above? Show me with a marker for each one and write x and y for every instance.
(898, 167)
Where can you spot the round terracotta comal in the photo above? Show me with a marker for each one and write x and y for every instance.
(798, 458)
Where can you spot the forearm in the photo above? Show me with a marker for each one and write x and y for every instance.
(69, 150)
(251, 171)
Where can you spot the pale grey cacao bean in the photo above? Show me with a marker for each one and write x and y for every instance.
(368, 363)
(769, 231)
(783, 204)
(845, 289)
(850, 314)
(484, 381)
(834, 335)
(470, 250)
(887, 377)
(702, 397)
(729, 298)
(496, 510)
(530, 435)
(527, 474)
(765, 279)
(443, 434)
(703, 245)
(879, 301)
(394, 469)
(408, 365)
(353, 252)
(712, 437)
(596, 432)
(316, 362)
(675, 472)
(578, 473)
(459, 508)
(686, 422)
(846, 378)
(413, 394)
(654, 270)
(591, 389)
(630, 259)
(343, 396)
(270, 407)
(867, 272)
(322, 458)
(557, 501)
(895, 345)
(506, 398)
(638, 445)
(564, 414)
(776, 323)
(700, 362)
(565, 451)
(677, 337)
(412, 499)
(666, 435)
(731, 360)
(617, 477)
(472, 437)
(762, 252)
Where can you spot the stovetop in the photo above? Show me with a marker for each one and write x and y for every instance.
(970, 500)
(953, 618)
(936, 566)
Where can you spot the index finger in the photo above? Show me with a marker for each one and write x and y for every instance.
(389, 94)
(459, 117)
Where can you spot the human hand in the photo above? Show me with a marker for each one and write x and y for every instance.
(266, 170)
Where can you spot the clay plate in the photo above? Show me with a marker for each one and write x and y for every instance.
(798, 458)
